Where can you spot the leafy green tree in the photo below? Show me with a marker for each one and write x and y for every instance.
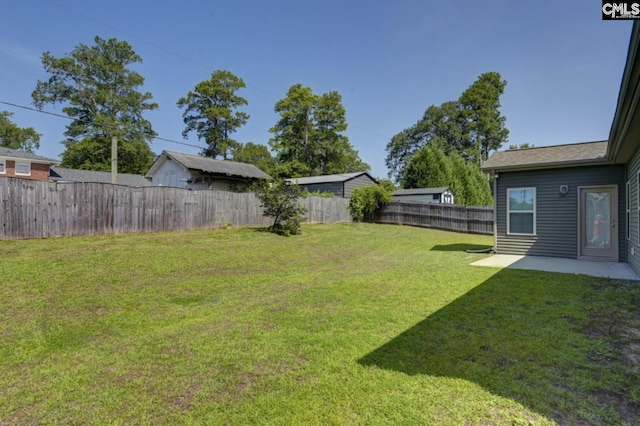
(469, 184)
(14, 137)
(292, 133)
(524, 145)
(101, 96)
(279, 199)
(92, 154)
(309, 136)
(256, 154)
(387, 184)
(485, 128)
(366, 200)
(441, 126)
(334, 153)
(211, 111)
(430, 167)
(472, 126)
(292, 168)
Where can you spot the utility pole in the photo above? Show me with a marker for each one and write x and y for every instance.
(114, 159)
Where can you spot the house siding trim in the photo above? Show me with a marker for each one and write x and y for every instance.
(633, 243)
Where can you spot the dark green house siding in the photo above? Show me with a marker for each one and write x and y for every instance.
(355, 183)
(341, 188)
(633, 243)
(556, 214)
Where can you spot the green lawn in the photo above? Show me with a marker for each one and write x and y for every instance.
(344, 324)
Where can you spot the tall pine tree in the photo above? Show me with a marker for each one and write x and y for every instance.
(100, 94)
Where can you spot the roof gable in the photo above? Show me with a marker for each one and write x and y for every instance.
(209, 165)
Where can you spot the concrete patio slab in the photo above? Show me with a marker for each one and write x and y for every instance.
(614, 270)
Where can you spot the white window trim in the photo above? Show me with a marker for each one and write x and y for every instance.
(522, 212)
(4, 166)
(22, 174)
(629, 209)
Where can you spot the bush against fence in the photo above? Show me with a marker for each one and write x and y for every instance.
(473, 220)
(34, 209)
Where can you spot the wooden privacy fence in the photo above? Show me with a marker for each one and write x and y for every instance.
(34, 209)
(475, 220)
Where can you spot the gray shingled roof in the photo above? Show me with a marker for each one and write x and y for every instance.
(221, 167)
(342, 177)
(75, 175)
(576, 154)
(421, 191)
(14, 153)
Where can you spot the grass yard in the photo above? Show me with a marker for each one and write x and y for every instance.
(344, 324)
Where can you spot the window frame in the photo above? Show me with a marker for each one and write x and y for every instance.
(532, 212)
(3, 170)
(28, 164)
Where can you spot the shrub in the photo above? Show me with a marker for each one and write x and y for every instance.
(366, 200)
(279, 199)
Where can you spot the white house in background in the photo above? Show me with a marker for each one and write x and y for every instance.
(196, 172)
(442, 195)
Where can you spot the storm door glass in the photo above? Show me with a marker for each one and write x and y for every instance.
(597, 226)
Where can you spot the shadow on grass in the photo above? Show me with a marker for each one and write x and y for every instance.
(530, 337)
(461, 247)
(261, 229)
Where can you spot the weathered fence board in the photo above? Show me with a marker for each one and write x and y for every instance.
(33, 209)
(475, 220)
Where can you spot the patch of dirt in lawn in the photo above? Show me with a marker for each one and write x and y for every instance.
(619, 328)
(631, 350)
(185, 401)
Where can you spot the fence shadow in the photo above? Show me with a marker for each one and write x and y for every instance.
(461, 247)
(509, 335)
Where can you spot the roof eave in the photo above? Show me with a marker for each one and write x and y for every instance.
(31, 160)
(234, 175)
(539, 166)
(626, 120)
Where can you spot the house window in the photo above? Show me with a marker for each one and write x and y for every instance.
(3, 167)
(23, 168)
(521, 211)
(629, 209)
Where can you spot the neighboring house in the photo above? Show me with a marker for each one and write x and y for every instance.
(196, 172)
(579, 200)
(64, 174)
(442, 195)
(341, 185)
(25, 165)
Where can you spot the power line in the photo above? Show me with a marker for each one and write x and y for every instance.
(180, 56)
(69, 118)
(155, 46)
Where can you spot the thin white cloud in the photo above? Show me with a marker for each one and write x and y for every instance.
(20, 52)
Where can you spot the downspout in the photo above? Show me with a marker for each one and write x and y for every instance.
(495, 210)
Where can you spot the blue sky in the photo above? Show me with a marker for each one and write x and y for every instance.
(388, 59)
